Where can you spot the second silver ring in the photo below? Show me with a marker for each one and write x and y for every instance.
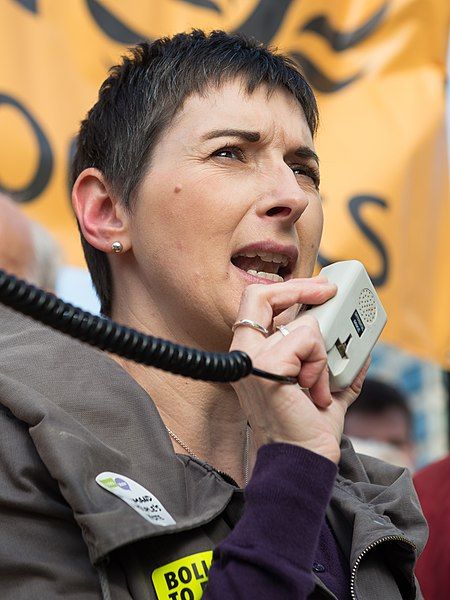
(283, 330)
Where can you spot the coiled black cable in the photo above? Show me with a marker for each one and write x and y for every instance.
(106, 334)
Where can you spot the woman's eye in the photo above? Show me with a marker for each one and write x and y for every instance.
(229, 152)
(308, 172)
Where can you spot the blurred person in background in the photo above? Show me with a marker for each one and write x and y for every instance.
(379, 424)
(433, 568)
(27, 249)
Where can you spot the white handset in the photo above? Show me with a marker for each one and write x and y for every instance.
(351, 322)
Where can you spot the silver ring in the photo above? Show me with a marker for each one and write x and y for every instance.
(252, 324)
(283, 330)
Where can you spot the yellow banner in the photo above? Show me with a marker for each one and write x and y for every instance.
(378, 68)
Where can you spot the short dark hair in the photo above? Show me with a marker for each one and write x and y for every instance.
(377, 397)
(142, 95)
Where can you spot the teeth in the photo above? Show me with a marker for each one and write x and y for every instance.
(264, 275)
(268, 257)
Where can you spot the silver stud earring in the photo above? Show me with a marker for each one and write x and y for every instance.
(117, 247)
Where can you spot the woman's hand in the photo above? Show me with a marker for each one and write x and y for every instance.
(312, 417)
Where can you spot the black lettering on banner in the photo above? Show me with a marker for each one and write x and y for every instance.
(355, 205)
(343, 40)
(171, 580)
(45, 163)
(263, 22)
(187, 594)
(30, 5)
(339, 41)
(318, 78)
(206, 4)
(173, 595)
(112, 26)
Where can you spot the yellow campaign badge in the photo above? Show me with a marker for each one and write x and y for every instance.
(183, 579)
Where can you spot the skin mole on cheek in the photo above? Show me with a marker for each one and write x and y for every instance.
(177, 189)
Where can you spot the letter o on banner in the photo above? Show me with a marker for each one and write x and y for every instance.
(45, 163)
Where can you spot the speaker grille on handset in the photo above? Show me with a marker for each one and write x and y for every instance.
(367, 306)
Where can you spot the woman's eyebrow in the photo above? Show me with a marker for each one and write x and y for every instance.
(249, 136)
(255, 136)
(306, 152)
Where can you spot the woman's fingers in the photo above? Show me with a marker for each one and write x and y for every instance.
(349, 395)
(301, 354)
(359, 379)
(282, 412)
(271, 299)
(260, 303)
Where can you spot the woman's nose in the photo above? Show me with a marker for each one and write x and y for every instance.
(285, 199)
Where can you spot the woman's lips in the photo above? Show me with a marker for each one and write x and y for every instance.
(251, 278)
(266, 260)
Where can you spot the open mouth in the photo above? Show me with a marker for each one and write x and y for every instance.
(272, 266)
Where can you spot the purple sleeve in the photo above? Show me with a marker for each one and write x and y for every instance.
(270, 552)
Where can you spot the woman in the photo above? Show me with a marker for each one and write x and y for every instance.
(196, 192)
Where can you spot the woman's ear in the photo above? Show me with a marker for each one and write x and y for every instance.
(103, 219)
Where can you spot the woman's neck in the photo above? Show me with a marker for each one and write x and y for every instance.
(206, 417)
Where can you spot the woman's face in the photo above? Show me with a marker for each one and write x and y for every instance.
(230, 199)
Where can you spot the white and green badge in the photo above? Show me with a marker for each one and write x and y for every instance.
(136, 496)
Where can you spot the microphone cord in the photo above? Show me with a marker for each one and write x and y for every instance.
(104, 333)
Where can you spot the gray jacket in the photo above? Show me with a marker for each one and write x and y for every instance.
(68, 414)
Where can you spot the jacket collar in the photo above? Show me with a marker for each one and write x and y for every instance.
(87, 416)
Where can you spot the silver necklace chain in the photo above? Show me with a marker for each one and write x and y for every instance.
(180, 442)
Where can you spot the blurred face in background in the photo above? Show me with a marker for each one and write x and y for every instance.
(386, 435)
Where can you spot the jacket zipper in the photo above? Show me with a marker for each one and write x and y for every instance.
(388, 538)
